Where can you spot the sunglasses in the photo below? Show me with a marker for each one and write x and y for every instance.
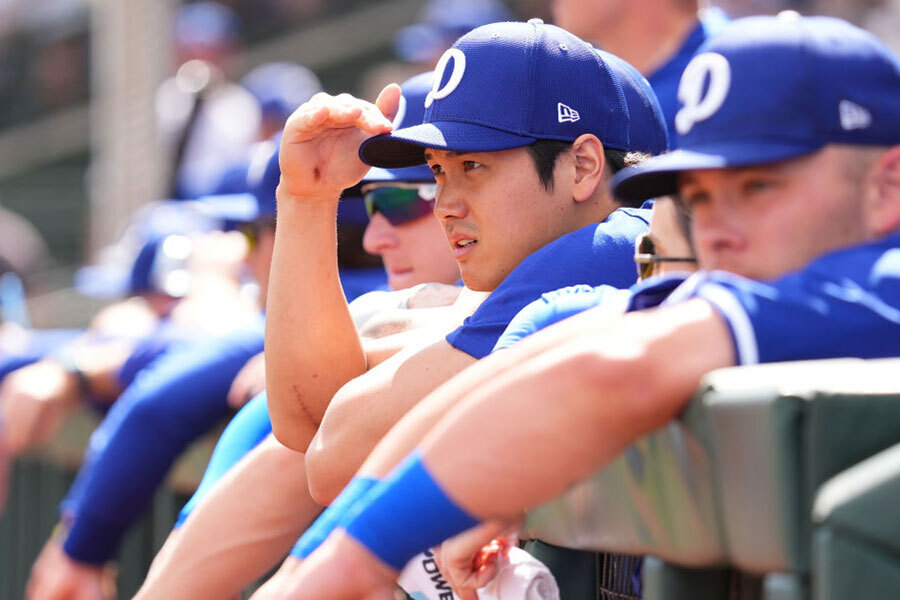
(401, 205)
(251, 231)
(646, 258)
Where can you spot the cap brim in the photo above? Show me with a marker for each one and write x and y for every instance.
(416, 174)
(237, 208)
(406, 147)
(659, 176)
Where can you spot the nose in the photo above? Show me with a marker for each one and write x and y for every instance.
(448, 203)
(379, 235)
(716, 229)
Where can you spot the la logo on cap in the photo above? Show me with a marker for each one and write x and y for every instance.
(697, 105)
(459, 68)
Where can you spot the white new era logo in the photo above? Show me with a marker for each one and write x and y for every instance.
(853, 116)
(566, 114)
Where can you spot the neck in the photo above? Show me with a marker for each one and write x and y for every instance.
(648, 38)
(595, 210)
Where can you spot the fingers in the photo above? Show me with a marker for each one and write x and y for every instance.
(388, 101)
(324, 112)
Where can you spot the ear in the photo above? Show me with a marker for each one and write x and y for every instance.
(590, 166)
(883, 194)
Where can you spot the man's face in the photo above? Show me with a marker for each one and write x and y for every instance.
(413, 253)
(763, 222)
(495, 211)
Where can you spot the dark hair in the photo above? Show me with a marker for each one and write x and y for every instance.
(545, 152)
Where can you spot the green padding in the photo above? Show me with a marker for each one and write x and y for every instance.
(658, 497)
(663, 581)
(779, 432)
(857, 543)
(847, 567)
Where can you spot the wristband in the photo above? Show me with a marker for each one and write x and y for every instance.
(406, 514)
(328, 520)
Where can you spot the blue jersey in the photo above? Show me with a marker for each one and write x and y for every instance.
(555, 306)
(598, 254)
(666, 79)
(844, 304)
(560, 304)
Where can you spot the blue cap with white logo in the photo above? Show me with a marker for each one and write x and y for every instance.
(507, 85)
(411, 112)
(768, 89)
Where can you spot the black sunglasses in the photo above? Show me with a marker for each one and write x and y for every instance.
(401, 205)
(646, 258)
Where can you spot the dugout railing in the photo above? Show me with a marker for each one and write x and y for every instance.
(788, 473)
(786, 476)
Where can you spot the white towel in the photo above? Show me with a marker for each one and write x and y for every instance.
(523, 577)
(520, 576)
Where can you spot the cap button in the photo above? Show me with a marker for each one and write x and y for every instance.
(535, 21)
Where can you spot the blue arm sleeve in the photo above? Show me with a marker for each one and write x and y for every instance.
(176, 400)
(245, 431)
(553, 307)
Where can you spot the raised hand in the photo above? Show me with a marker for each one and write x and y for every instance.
(319, 148)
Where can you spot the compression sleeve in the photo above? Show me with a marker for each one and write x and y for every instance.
(179, 398)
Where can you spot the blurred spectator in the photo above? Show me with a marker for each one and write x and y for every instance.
(22, 249)
(207, 122)
(419, 46)
(441, 22)
(279, 88)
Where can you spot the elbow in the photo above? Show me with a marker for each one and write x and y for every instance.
(291, 425)
(287, 436)
(322, 473)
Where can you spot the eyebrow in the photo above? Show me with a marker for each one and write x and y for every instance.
(450, 153)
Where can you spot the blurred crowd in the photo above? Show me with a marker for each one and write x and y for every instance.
(351, 301)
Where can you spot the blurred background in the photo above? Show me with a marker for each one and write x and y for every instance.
(86, 133)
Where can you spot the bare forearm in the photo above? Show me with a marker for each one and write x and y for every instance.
(312, 347)
(246, 524)
(369, 406)
(528, 434)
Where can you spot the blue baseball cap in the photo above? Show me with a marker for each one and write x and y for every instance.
(768, 89)
(262, 175)
(441, 22)
(507, 85)
(410, 113)
(151, 255)
(280, 87)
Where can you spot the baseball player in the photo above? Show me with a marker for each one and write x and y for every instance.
(534, 178)
(816, 127)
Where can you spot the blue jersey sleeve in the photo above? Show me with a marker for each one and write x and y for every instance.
(170, 404)
(845, 304)
(555, 306)
(595, 255)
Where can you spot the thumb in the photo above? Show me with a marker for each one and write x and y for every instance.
(388, 101)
